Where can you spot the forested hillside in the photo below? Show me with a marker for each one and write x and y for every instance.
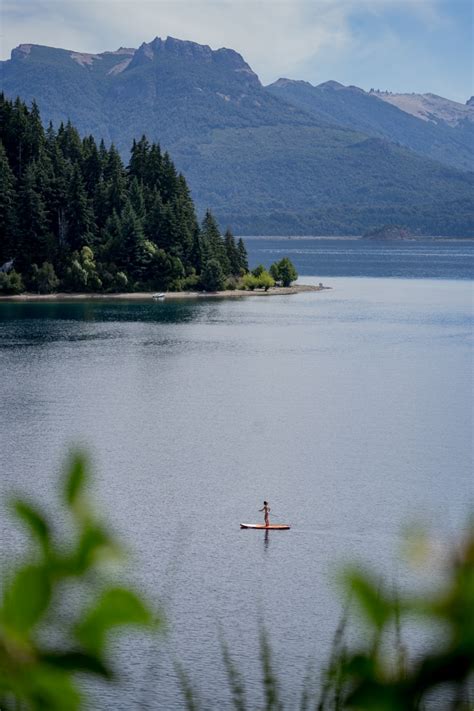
(260, 163)
(74, 218)
(359, 110)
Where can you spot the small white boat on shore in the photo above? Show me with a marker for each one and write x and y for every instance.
(158, 297)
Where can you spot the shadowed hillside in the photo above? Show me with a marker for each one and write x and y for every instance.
(260, 163)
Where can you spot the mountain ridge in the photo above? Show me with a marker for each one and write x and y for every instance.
(262, 163)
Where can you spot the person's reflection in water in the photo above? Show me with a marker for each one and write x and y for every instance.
(266, 540)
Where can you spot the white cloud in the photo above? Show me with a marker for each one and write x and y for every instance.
(296, 38)
(273, 35)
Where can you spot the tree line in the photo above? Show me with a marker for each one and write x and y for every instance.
(74, 218)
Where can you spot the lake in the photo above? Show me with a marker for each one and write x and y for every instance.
(419, 259)
(350, 410)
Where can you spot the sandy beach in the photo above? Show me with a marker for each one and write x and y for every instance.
(170, 295)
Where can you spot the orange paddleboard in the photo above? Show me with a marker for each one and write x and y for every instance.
(262, 527)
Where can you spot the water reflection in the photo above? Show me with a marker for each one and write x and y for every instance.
(266, 540)
(101, 311)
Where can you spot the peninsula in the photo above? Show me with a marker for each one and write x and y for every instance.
(168, 296)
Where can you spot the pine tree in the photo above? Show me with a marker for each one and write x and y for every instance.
(138, 165)
(115, 179)
(79, 213)
(213, 243)
(131, 238)
(33, 237)
(35, 137)
(243, 258)
(169, 179)
(137, 200)
(7, 208)
(153, 177)
(91, 165)
(154, 217)
(70, 143)
(64, 202)
(233, 254)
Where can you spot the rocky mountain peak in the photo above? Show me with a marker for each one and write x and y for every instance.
(283, 82)
(21, 52)
(331, 85)
(198, 54)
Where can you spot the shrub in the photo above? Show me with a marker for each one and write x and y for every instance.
(258, 270)
(265, 280)
(249, 281)
(11, 283)
(230, 283)
(121, 281)
(212, 278)
(284, 271)
(44, 278)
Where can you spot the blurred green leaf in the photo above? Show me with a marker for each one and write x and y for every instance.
(92, 541)
(371, 696)
(26, 598)
(77, 661)
(75, 477)
(270, 681)
(375, 607)
(116, 607)
(34, 520)
(234, 677)
(49, 689)
(40, 678)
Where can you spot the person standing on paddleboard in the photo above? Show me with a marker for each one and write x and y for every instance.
(266, 509)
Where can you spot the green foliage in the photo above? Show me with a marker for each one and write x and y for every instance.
(349, 107)
(258, 279)
(231, 283)
(33, 674)
(11, 283)
(44, 278)
(249, 281)
(370, 670)
(67, 194)
(375, 672)
(82, 274)
(265, 280)
(373, 679)
(243, 260)
(212, 278)
(284, 271)
(259, 269)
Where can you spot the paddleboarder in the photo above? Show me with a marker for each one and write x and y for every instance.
(266, 509)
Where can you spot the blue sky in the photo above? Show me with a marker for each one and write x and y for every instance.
(400, 45)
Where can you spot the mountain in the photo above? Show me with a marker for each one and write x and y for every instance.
(430, 107)
(408, 119)
(261, 163)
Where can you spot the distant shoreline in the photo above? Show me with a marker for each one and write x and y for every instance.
(169, 295)
(356, 238)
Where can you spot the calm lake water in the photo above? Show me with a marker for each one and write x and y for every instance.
(419, 259)
(350, 410)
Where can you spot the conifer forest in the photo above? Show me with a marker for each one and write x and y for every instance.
(76, 219)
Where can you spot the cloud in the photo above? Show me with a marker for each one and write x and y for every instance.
(293, 38)
(273, 35)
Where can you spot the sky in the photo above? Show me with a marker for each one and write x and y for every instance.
(399, 45)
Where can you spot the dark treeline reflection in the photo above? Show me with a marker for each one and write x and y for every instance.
(182, 312)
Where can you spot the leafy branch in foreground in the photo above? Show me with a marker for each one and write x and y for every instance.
(36, 673)
(376, 678)
(376, 672)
